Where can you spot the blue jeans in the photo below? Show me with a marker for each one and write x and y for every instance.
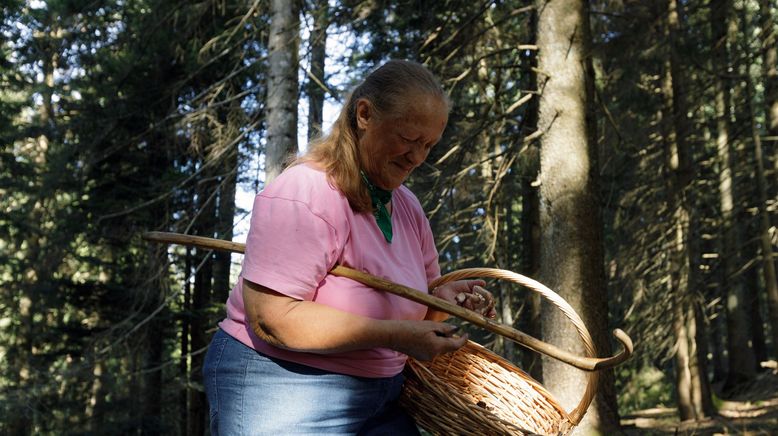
(251, 393)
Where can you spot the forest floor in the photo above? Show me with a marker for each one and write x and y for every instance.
(753, 410)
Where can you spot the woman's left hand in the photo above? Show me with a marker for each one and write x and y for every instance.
(469, 294)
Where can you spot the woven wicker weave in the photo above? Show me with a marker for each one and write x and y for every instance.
(474, 391)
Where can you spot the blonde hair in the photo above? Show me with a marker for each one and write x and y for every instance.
(387, 89)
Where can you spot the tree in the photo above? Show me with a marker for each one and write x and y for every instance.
(769, 45)
(768, 265)
(316, 85)
(282, 89)
(122, 105)
(571, 241)
(694, 400)
(742, 362)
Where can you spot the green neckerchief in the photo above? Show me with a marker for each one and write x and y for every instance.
(380, 197)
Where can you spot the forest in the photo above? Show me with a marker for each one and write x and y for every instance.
(624, 153)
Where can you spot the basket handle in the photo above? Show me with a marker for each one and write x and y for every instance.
(588, 363)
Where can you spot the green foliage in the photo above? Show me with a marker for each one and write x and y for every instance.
(98, 106)
(644, 388)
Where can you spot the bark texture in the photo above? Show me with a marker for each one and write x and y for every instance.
(571, 259)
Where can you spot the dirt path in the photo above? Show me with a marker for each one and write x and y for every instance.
(753, 411)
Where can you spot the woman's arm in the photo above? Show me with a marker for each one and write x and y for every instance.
(307, 326)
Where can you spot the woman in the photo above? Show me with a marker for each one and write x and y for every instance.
(303, 351)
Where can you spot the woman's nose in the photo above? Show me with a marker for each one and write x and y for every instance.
(417, 154)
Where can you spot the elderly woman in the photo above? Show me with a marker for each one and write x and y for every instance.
(301, 350)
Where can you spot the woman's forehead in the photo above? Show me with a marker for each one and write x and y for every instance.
(421, 106)
(427, 127)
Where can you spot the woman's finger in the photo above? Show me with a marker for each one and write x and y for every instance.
(483, 292)
(475, 283)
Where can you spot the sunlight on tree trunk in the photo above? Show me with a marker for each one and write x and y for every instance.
(96, 397)
(572, 261)
(742, 363)
(683, 377)
(701, 389)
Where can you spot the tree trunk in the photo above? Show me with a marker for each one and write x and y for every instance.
(503, 234)
(42, 256)
(496, 236)
(572, 259)
(770, 77)
(224, 225)
(757, 320)
(316, 80)
(742, 363)
(155, 291)
(531, 255)
(282, 86)
(152, 421)
(768, 265)
(717, 335)
(691, 376)
(703, 399)
(151, 348)
(134, 379)
(94, 407)
(504, 305)
(201, 298)
(183, 363)
(506, 296)
(202, 288)
(683, 378)
(530, 214)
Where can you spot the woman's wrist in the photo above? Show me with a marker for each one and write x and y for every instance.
(434, 314)
(394, 334)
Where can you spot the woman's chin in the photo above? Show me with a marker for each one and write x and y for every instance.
(394, 183)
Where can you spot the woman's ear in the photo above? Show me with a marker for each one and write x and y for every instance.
(364, 113)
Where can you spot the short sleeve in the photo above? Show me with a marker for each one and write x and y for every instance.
(289, 248)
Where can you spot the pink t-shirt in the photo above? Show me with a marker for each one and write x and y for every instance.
(301, 226)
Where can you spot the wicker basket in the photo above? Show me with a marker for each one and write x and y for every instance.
(475, 391)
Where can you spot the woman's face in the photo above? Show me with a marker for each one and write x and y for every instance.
(391, 147)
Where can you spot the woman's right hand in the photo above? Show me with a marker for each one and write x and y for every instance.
(423, 340)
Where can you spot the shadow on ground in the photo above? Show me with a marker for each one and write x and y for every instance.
(753, 410)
